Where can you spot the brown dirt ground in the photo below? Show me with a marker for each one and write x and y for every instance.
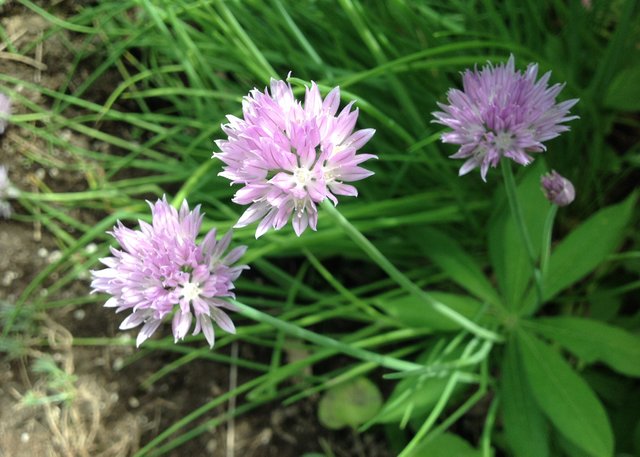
(109, 413)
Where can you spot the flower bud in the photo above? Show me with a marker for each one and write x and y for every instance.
(557, 188)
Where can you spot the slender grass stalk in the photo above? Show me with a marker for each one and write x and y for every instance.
(402, 280)
(324, 341)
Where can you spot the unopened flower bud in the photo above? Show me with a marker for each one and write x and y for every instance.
(557, 188)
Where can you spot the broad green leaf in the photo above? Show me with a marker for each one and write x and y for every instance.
(411, 312)
(569, 448)
(507, 251)
(349, 404)
(565, 398)
(445, 445)
(624, 92)
(594, 341)
(463, 269)
(525, 427)
(587, 246)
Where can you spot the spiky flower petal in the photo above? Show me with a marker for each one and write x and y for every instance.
(291, 156)
(161, 269)
(500, 113)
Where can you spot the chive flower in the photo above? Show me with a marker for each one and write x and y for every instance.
(161, 269)
(289, 156)
(501, 112)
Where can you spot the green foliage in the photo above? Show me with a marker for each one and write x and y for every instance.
(525, 427)
(413, 313)
(59, 386)
(602, 233)
(623, 93)
(565, 398)
(350, 404)
(445, 445)
(594, 341)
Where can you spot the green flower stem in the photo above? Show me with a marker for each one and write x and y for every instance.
(402, 280)
(546, 241)
(324, 341)
(516, 212)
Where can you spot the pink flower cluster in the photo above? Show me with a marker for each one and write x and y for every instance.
(290, 156)
(161, 270)
(500, 113)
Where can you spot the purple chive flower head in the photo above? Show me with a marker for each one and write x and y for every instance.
(290, 156)
(558, 189)
(500, 113)
(6, 191)
(162, 270)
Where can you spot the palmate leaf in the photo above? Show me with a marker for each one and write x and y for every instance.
(525, 427)
(594, 341)
(565, 398)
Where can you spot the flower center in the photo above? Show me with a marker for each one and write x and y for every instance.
(302, 176)
(504, 141)
(191, 290)
(328, 174)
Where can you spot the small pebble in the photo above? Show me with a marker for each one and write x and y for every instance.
(9, 277)
(118, 363)
(54, 256)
